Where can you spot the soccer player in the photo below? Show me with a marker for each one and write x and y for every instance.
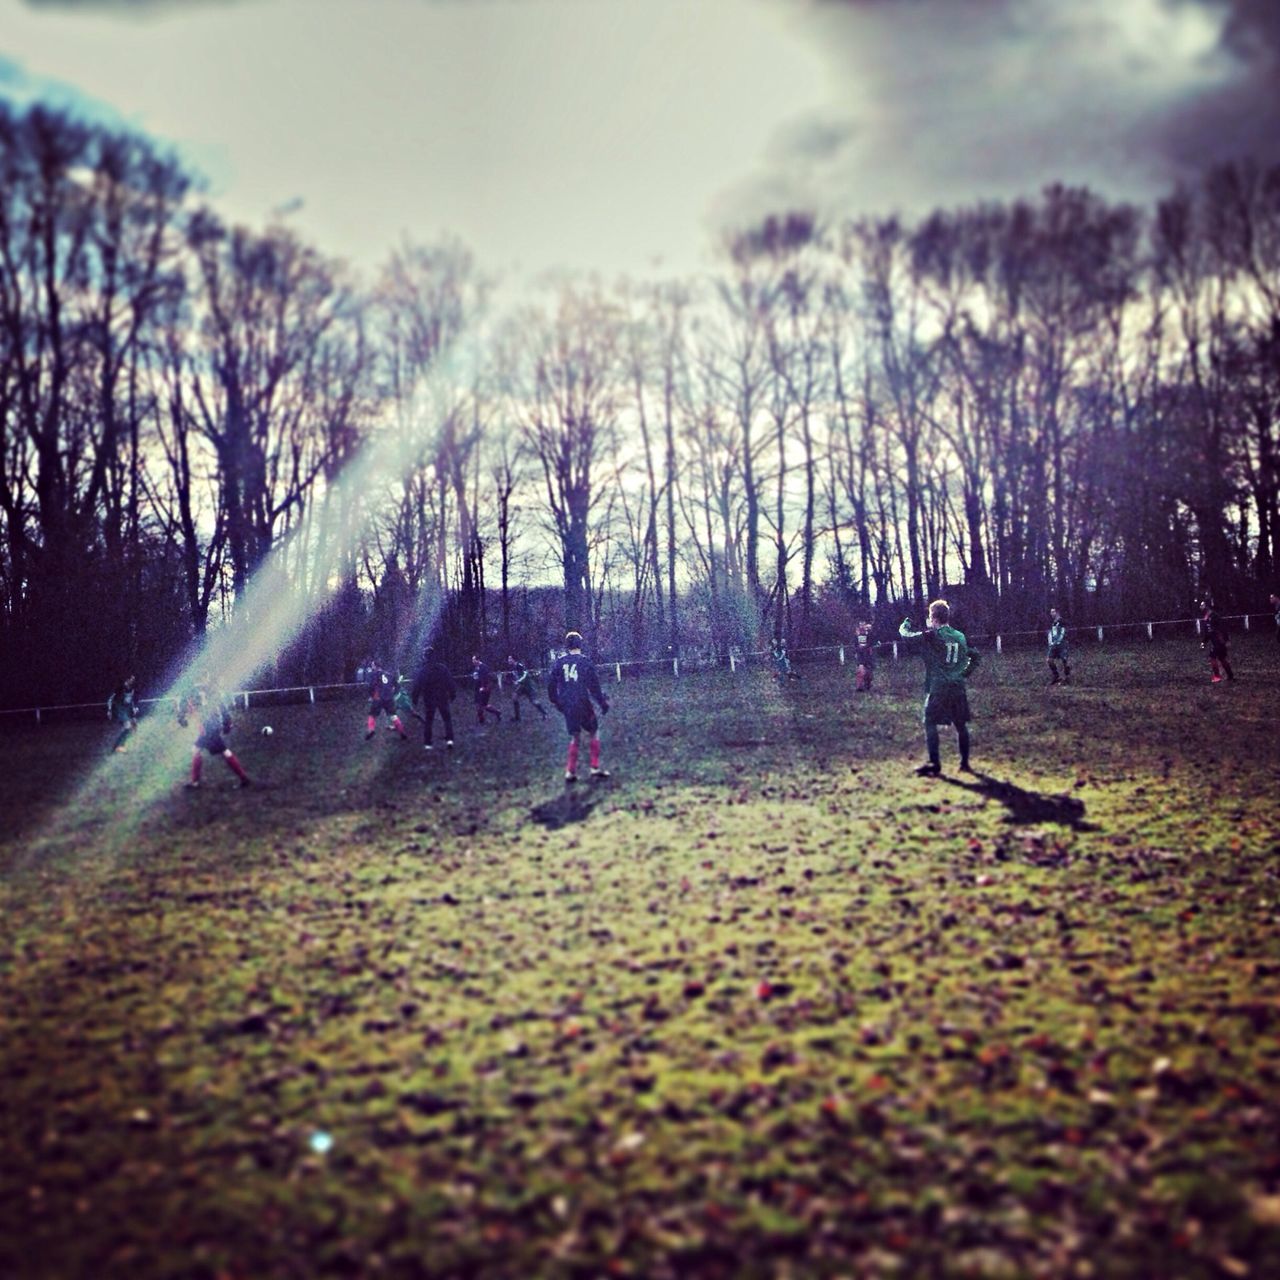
(522, 686)
(865, 658)
(781, 662)
(1275, 606)
(214, 721)
(1057, 649)
(1214, 637)
(122, 709)
(572, 686)
(382, 700)
(436, 688)
(482, 675)
(948, 660)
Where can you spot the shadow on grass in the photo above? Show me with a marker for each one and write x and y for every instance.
(1028, 807)
(573, 805)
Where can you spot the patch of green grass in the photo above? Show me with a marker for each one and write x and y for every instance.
(765, 1003)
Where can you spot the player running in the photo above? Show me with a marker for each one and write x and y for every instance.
(1057, 651)
(1214, 637)
(482, 675)
(522, 686)
(436, 688)
(122, 709)
(214, 721)
(948, 661)
(382, 700)
(572, 685)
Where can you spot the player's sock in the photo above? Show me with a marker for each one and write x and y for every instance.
(962, 741)
(398, 725)
(197, 762)
(571, 760)
(595, 754)
(1226, 666)
(931, 741)
(370, 726)
(1066, 673)
(237, 768)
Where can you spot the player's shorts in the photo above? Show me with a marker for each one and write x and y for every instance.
(947, 705)
(1217, 649)
(382, 704)
(581, 719)
(1058, 651)
(214, 743)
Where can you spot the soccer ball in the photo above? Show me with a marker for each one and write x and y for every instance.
(267, 731)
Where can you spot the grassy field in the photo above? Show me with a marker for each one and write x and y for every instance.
(765, 1004)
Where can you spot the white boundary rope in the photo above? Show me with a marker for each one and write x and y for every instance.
(244, 697)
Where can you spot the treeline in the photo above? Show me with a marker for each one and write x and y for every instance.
(1058, 400)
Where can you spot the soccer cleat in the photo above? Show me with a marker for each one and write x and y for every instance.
(929, 770)
(1215, 679)
(192, 785)
(245, 782)
(426, 746)
(599, 775)
(120, 751)
(368, 735)
(449, 744)
(966, 767)
(569, 777)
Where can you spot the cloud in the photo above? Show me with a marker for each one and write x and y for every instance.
(130, 8)
(938, 102)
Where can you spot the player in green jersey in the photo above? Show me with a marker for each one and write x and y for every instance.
(522, 686)
(948, 660)
(122, 709)
(1057, 651)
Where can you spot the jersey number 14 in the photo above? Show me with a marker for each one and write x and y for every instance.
(571, 671)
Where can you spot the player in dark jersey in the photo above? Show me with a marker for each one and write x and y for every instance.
(122, 709)
(522, 686)
(1057, 651)
(948, 660)
(865, 658)
(382, 700)
(572, 686)
(436, 688)
(483, 678)
(1213, 636)
(214, 722)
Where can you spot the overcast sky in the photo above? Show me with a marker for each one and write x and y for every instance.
(616, 135)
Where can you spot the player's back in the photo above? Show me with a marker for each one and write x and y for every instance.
(574, 680)
(946, 656)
